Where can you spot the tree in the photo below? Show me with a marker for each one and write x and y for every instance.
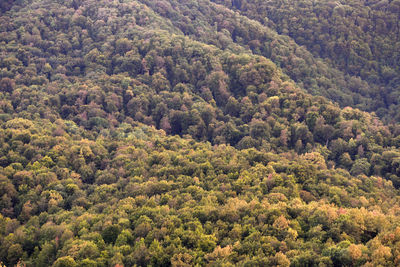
(66, 261)
(7, 85)
(360, 166)
(110, 233)
(14, 254)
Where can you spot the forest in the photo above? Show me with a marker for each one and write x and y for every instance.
(199, 133)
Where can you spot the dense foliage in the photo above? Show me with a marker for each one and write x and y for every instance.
(360, 38)
(141, 197)
(174, 133)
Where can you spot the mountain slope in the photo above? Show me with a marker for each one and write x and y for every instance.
(227, 29)
(360, 38)
(151, 133)
(174, 83)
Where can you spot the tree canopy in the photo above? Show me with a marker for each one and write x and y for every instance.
(181, 133)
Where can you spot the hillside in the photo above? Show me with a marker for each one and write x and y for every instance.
(184, 133)
(360, 38)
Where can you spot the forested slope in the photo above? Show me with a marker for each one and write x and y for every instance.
(360, 38)
(174, 133)
(141, 197)
(217, 25)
